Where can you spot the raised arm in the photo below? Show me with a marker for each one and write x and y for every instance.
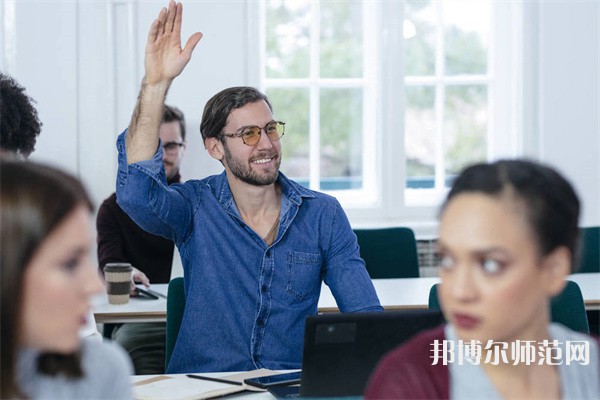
(165, 59)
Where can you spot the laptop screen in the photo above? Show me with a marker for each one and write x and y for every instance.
(342, 350)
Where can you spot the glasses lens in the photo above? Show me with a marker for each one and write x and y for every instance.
(275, 130)
(171, 147)
(251, 135)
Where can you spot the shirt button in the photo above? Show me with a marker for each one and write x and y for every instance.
(260, 322)
(264, 288)
(268, 253)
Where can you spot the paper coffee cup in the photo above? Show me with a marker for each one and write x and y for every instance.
(118, 282)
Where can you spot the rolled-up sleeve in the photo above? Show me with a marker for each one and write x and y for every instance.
(143, 193)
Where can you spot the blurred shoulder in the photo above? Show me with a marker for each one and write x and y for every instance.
(104, 356)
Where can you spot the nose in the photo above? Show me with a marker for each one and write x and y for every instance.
(92, 284)
(264, 142)
(463, 286)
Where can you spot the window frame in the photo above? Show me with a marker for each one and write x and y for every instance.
(389, 203)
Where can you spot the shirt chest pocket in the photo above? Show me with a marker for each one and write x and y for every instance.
(304, 273)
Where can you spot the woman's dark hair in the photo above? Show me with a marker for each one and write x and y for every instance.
(171, 114)
(550, 201)
(34, 200)
(218, 108)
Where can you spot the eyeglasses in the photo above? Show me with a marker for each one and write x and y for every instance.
(251, 134)
(172, 147)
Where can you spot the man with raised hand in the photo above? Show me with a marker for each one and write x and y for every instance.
(255, 245)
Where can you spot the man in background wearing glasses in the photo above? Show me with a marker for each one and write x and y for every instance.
(122, 240)
(255, 245)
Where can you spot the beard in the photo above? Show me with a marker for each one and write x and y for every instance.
(244, 172)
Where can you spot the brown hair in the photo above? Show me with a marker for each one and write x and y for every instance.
(171, 114)
(218, 108)
(34, 200)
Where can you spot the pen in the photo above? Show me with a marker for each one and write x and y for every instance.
(207, 378)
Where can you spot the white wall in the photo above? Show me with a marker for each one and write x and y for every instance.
(82, 62)
(569, 96)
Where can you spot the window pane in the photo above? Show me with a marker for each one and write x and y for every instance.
(465, 131)
(287, 53)
(419, 33)
(466, 36)
(341, 138)
(341, 39)
(420, 136)
(290, 105)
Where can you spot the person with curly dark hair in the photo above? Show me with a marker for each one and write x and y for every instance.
(19, 122)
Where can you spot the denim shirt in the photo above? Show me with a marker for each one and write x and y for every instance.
(246, 302)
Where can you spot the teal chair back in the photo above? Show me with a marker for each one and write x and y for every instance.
(389, 252)
(589, 258)
(567, 308)
(175, 307)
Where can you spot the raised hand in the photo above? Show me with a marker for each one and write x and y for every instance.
(165, 59)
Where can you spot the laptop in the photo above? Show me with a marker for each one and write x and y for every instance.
(342, 350)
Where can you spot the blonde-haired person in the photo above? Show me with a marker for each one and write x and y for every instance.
(507, 238)
(47, 278)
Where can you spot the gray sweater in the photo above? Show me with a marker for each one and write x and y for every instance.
(577, 381)
(106, 368)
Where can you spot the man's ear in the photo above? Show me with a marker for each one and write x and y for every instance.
(214, 147)
(557, 266)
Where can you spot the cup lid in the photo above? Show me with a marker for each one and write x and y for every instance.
(113, 267)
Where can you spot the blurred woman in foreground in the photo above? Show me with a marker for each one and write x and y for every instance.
(507, 238)
(47, 280)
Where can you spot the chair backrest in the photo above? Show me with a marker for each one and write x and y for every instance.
(589, 259)
(389, 252)
(175, 307)
(567, 307)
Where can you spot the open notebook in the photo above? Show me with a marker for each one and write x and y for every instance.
(180, 387)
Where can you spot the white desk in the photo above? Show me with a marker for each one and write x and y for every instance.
(394, 294)
(139, 309)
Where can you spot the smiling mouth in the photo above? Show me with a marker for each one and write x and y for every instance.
(263, 160)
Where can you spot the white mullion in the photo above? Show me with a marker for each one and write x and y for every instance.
(491, 87)
(305, 82)
(287, 83)
(440, 99)
(111, 65)
(133, 42)
(256, 11)
(447, 80)
(371, 139)
(8, 61)
(341, 82)
(314, 117)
